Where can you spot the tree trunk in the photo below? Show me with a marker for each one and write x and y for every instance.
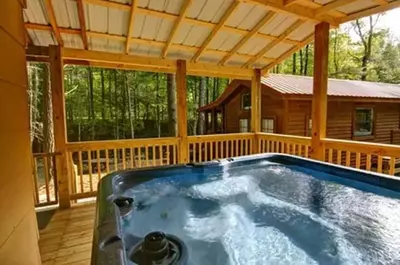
(171, 95)
(301, 61)
(207, 91)
(201, 118)
(158, 115)
(116, 104)
(294, 64)
(91, 103)
(306, 60)
(103, 96)
(131, 124)
(48, 133)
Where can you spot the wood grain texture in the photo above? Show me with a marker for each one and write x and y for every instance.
(181, 93)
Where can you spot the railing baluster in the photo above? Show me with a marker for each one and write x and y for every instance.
(358, 160)
(107, 162)
(231, 150)
(380, 164)
(348, 158)
(46, 177)
(35, 180)
(160, 154)
(245, 147)
(154, 155)
(194, 145)
(330, 155)
(140, 156)
(205, 151)
(368, 166)
(147, 155)
(132, 156)
(392, 166)
(339, 157)
(90, 169)
(80, 171)
(123, 159)
(98, 165)
(200, 152)
(115, 160)
(168, 154)
(174, 153)
(237, 147)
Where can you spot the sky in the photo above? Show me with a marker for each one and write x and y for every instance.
(390, 19)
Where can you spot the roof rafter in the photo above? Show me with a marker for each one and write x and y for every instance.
(304, 42)
(214, 32)
(299, 11)
(272, 44)
(82, 23)
(138, 41)
(178, 22)
(268, 17)
(381, 2)
(371, 11)
(331, 6)
(130, 25)
(53, 22)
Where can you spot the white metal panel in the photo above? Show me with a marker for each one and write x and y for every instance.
(253, 46)
(259, 64)
(96, 18)
(278, 24)
(150, 27)
(303, 31)
(278, 50)
(138, 25)
(106, 45)
(118, 21)
(195, 8)
(164, 30)
(174, 53)
(159, 5)
(174, 6)
(128, 2)
(145, 50)
(357, 6)
(224, 40)
(43, 38)
(236, 61)
(212, 10)
(65, 11)
(211, 58)
(35, 13)
(72, 41)
(195, 35)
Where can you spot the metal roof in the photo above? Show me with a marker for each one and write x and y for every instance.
(292, 85)
(303, 85)
(105, 25)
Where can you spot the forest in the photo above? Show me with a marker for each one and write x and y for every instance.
(105, 104)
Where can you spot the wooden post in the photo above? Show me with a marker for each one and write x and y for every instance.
(60, 134)
(256, 107)
(182, 110)
(319, 102)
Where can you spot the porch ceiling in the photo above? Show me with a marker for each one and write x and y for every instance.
(232, 33)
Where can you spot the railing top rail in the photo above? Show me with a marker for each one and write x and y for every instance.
(286, 138)
(363, 147)
(126, 143)
(45, 154)
(219, 137)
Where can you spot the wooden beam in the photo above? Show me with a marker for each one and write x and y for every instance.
(332, 6)
(185, 7)
(37, 51)
(130, 25)
(284, 56)
(320, 89)
(181, 93)
(155, 64)
(82, 23)
(272, 44)
(256, 106)
(251, 34)
(291, 2)
(53, 21)
(371, 11)
(382, 2)
(220, 24)
(300, 11)
(60, 132)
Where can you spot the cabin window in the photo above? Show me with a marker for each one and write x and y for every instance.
(244, 125)
(364, 119)
(246, 101)
(268, 125)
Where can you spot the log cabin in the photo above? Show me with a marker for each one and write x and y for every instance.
(357, 110)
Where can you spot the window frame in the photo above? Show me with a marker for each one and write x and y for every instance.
(240, 125)
(242, 101)
(364, 136)
(273, 122)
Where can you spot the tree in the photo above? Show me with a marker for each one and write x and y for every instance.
(171, 95)
(201, 118)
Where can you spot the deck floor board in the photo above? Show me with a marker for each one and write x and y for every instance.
(67, 239)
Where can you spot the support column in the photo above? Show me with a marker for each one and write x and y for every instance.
(181, 93)
(60, 132)
(319, 102)
(256, 107)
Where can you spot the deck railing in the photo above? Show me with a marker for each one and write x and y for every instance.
(208, 147)
(88, 162)
(44, 179)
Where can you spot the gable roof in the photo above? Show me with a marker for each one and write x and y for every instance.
(292, 85)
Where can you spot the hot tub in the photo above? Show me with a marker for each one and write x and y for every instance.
(259, 209)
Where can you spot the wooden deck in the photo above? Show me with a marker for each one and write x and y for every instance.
(67, 239)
